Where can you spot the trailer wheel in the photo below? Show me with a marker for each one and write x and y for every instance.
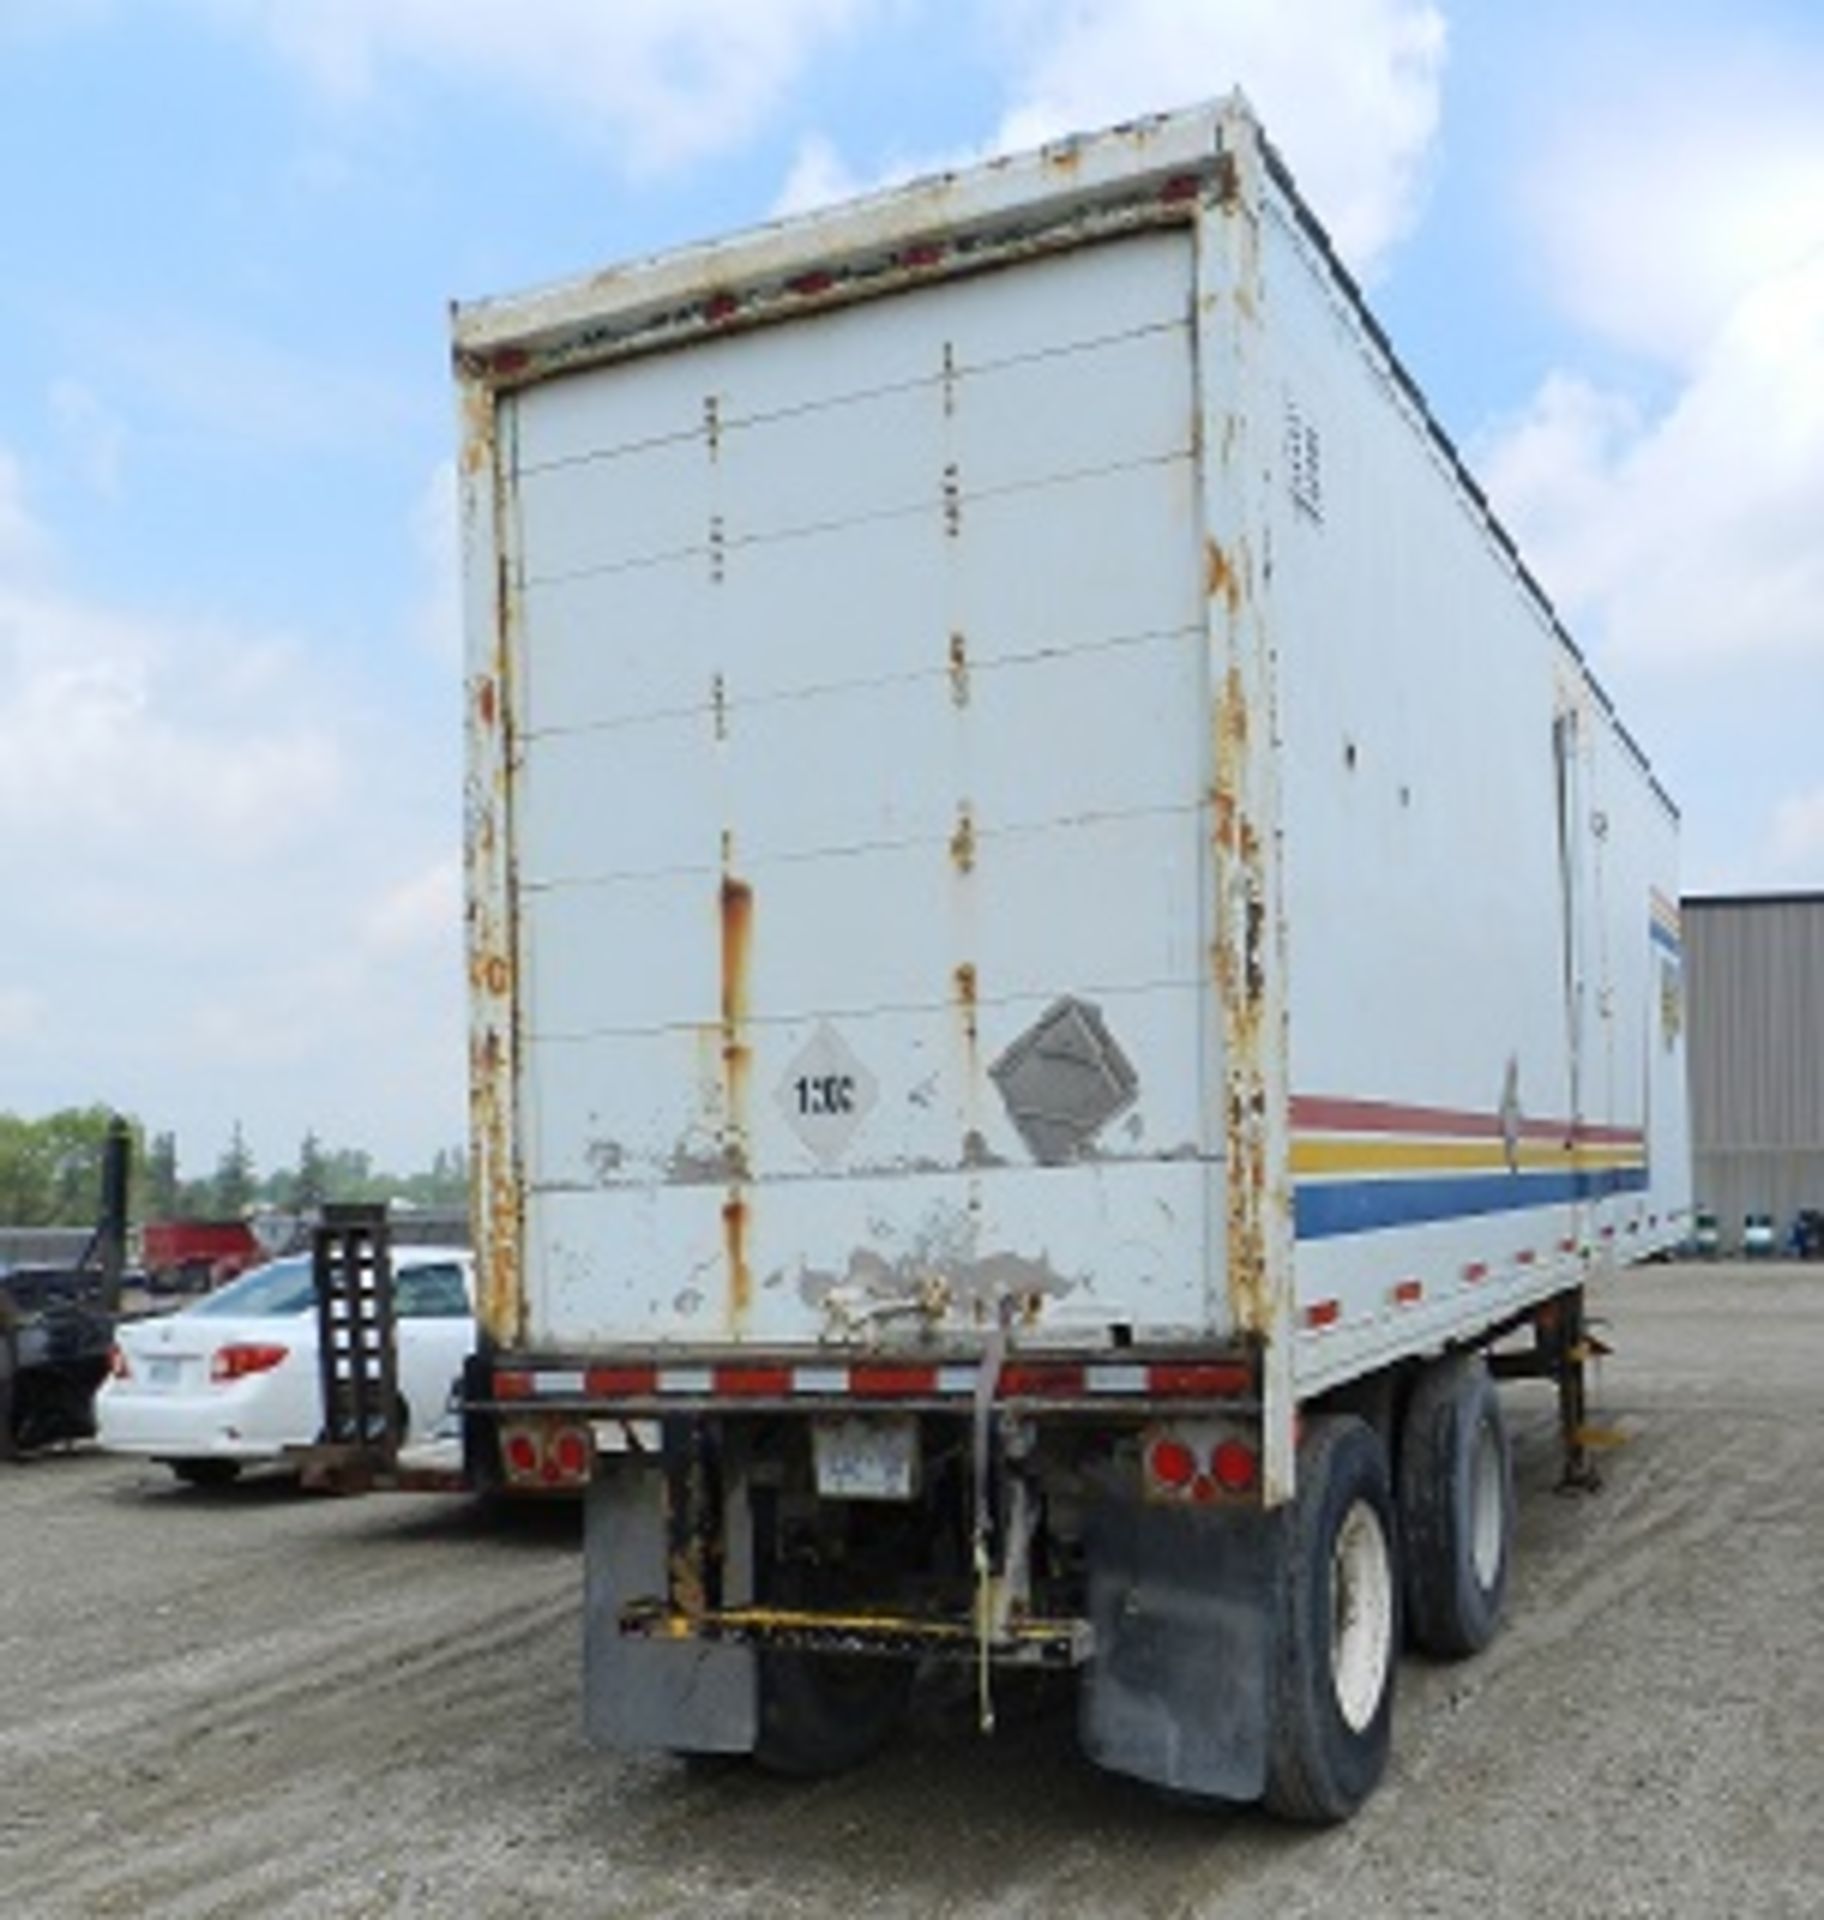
(1456, 1508)
(205, 1473)
(1338, 1629)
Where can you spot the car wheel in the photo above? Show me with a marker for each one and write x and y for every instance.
(206, 1473)
(1339, 1629)
(1456, 1508)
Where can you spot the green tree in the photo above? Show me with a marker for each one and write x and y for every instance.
(311, 1186)
(158, 1179)
(234, 1185)
(50, 1168)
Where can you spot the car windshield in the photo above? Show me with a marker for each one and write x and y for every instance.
(281, 1286)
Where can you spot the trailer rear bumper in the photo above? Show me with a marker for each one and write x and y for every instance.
(647, 1386)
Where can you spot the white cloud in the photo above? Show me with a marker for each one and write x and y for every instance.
(120, 739)
(1690, 537)
(663, 82)
(819, 176)
(233, 885)
(1347, 89)
(1655, 217)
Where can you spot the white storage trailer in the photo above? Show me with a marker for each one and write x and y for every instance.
(1061, 944)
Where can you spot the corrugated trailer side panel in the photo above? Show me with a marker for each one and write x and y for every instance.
(1479, 1110)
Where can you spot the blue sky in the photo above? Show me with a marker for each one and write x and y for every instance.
(228, 651)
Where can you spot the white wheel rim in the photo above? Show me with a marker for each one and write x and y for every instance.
(1486, 1502)
(1361, 1627)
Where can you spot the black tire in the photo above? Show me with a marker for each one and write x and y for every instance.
(824, 1713)
(1456, 1508)
(1338, 1631)
(206, 1473)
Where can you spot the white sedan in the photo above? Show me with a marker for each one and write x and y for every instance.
(232, 1381)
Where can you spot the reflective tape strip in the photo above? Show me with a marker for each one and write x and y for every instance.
(820, 1380)
(754, 1383)
(763, 1379)
(696, 1380)
(1114, 1380)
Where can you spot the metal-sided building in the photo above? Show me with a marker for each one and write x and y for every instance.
(1754, 979)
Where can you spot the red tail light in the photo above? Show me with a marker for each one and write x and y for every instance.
(547, 1453)
(1234, 1466)
(570, 1453)
(1201, 1461)
(117, 1364)
(235, 1363)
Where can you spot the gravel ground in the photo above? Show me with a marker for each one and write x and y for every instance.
(253, 1701)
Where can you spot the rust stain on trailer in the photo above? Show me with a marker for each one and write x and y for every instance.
(497, 1190)
(734, 1247)
(1220, 581)
(1239, 965)
(966, 996)
(489, 932)
(737, 936)
(959, 670)
(477, 427)
(962, 841)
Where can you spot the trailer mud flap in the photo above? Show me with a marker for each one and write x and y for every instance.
(684, 1696)
(1181, 1603)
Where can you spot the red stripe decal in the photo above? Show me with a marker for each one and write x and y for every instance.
(1316, 1113)
(513, 1386)
(891, 1383)
(1192, 1378)
(1040, 1382)
(1323, 1313)
(636, 1383)
(767, 1383)
(1476, 1270)
(1407, 1293)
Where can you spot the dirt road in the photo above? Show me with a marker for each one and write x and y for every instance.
(257, 1702)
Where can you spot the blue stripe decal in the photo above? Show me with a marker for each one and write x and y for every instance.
(1322, 1210)
(1667, 939)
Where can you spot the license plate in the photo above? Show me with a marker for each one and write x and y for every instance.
(164, 1373)
(874, 1459)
